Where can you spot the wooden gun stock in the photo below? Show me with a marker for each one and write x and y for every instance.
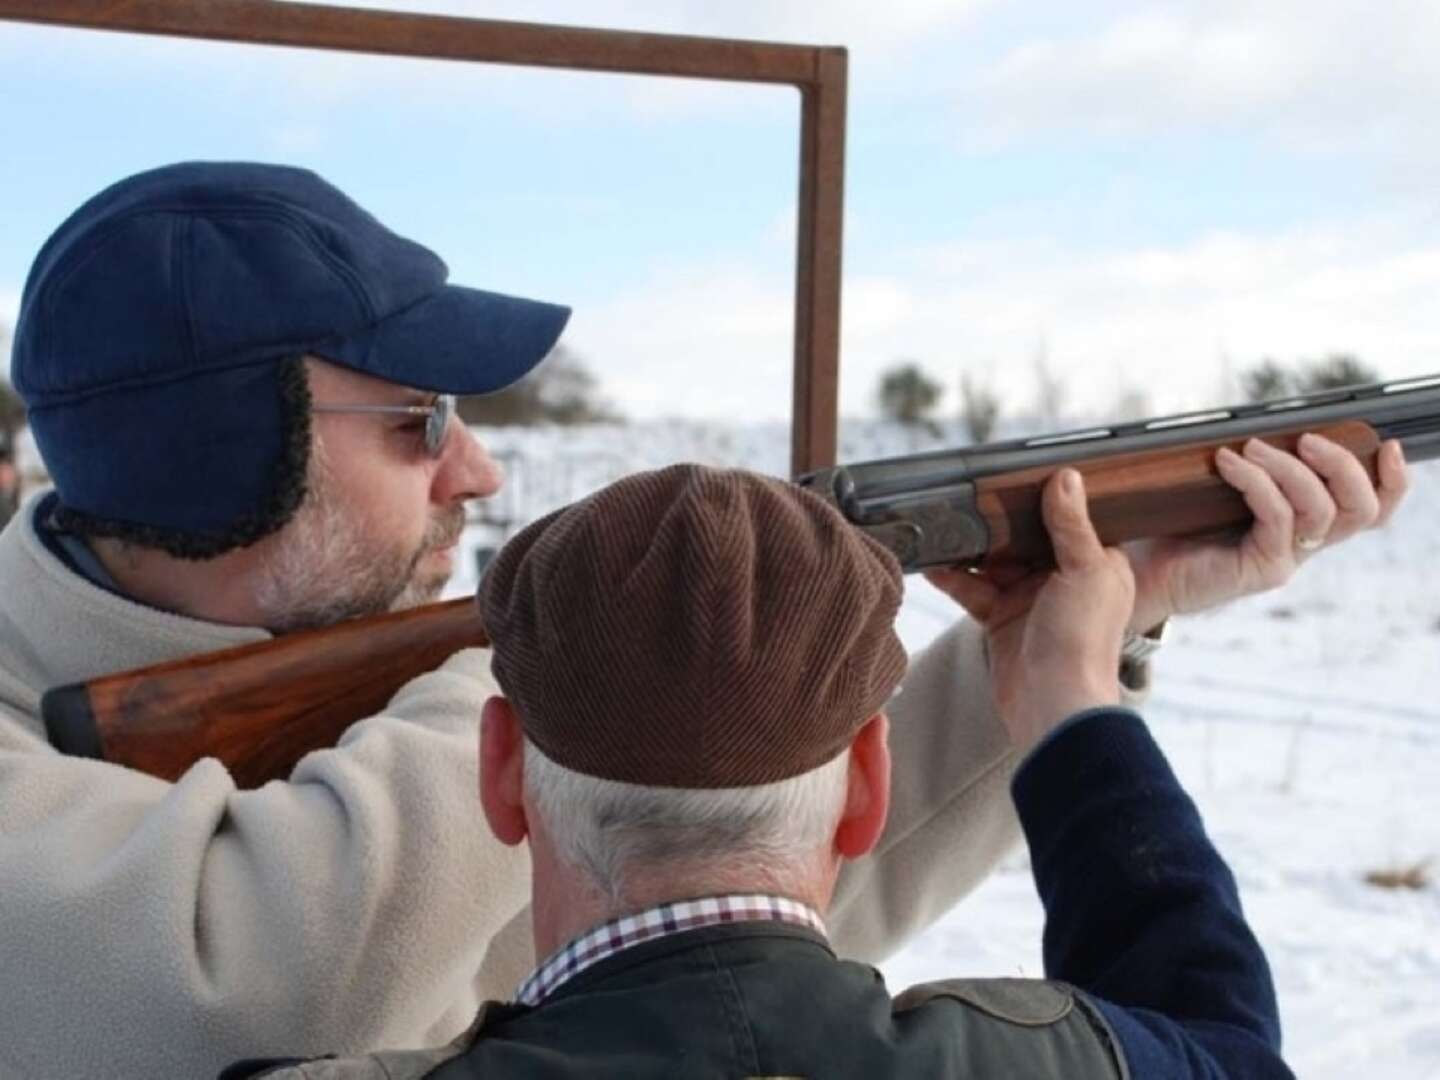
(1147, 495)
(257, 708)
(260, 708)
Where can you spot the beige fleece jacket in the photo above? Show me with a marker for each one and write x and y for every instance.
(150, 929)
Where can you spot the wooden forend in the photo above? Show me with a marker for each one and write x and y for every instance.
(1156, 493)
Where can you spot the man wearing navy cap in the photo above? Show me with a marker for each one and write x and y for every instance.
(240, 382)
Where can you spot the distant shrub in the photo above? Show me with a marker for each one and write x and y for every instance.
(1266, 381)
(1335, 371)
(979, 409)
(560, 391)
(1416, 877)
(906, 394)
(1269, 379)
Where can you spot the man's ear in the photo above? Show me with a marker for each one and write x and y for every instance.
(502, 771)
(867, 798)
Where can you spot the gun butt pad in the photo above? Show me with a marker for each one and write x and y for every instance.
(70, 722)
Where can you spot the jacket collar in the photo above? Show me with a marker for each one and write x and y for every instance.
(57, 627)
(663, 920)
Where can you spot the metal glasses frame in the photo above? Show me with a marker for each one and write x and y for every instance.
(437, 417)
(818, 72)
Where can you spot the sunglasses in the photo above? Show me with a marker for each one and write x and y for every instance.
(437, 417)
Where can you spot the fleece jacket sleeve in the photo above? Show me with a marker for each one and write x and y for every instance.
(1141, 912)
(154, 929)
(951, 819)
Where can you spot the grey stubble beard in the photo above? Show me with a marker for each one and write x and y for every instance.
(326, 569)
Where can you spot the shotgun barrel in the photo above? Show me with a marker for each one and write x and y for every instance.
(1145, 479)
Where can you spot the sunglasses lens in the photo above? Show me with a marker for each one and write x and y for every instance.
(439, 423)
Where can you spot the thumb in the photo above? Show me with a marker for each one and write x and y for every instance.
(1067, 519)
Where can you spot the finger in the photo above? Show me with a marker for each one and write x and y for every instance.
(1003, 573)
(1356, 501)
(1312, 505)
(1067, 519)
(1394, 481)
(968, 589)
(1017, 599)
(1272, 537)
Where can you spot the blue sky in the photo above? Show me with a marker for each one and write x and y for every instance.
(1148, 194)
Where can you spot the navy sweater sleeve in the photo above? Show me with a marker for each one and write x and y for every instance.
(1141, 913)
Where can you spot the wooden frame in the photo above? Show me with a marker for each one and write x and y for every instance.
(819, 73)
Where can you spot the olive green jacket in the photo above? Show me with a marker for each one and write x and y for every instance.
(751, 1001)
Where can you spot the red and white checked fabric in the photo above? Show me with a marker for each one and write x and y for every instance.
(619, 934)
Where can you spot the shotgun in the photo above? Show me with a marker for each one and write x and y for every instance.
(260, 708)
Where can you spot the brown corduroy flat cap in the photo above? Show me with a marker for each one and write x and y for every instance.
(694, 627)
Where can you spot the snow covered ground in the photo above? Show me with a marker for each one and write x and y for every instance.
(1306, 723)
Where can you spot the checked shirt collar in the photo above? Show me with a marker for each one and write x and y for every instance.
(675, 917)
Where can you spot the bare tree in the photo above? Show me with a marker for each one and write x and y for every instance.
(12, 418)
(979, 408)
(12, 409)
(1049, 387)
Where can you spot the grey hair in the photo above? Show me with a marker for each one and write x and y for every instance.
(771, 834)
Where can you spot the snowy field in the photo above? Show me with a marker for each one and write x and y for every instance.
(1306, 723)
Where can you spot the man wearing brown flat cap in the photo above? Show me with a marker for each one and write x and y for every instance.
(692, 740)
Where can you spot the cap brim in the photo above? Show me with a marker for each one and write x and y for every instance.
(455, 341)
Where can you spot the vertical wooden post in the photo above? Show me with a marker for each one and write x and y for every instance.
(816, 401)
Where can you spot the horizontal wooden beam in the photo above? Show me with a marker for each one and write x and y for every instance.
(444, 37)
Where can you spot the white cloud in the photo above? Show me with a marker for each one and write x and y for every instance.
(1142, 68)
(715, 341)
(874, 306)
(1315, 73)
(711, 341)
(1160, 317)
(292, 140)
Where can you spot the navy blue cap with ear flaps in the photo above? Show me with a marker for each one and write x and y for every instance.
(160, 324)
